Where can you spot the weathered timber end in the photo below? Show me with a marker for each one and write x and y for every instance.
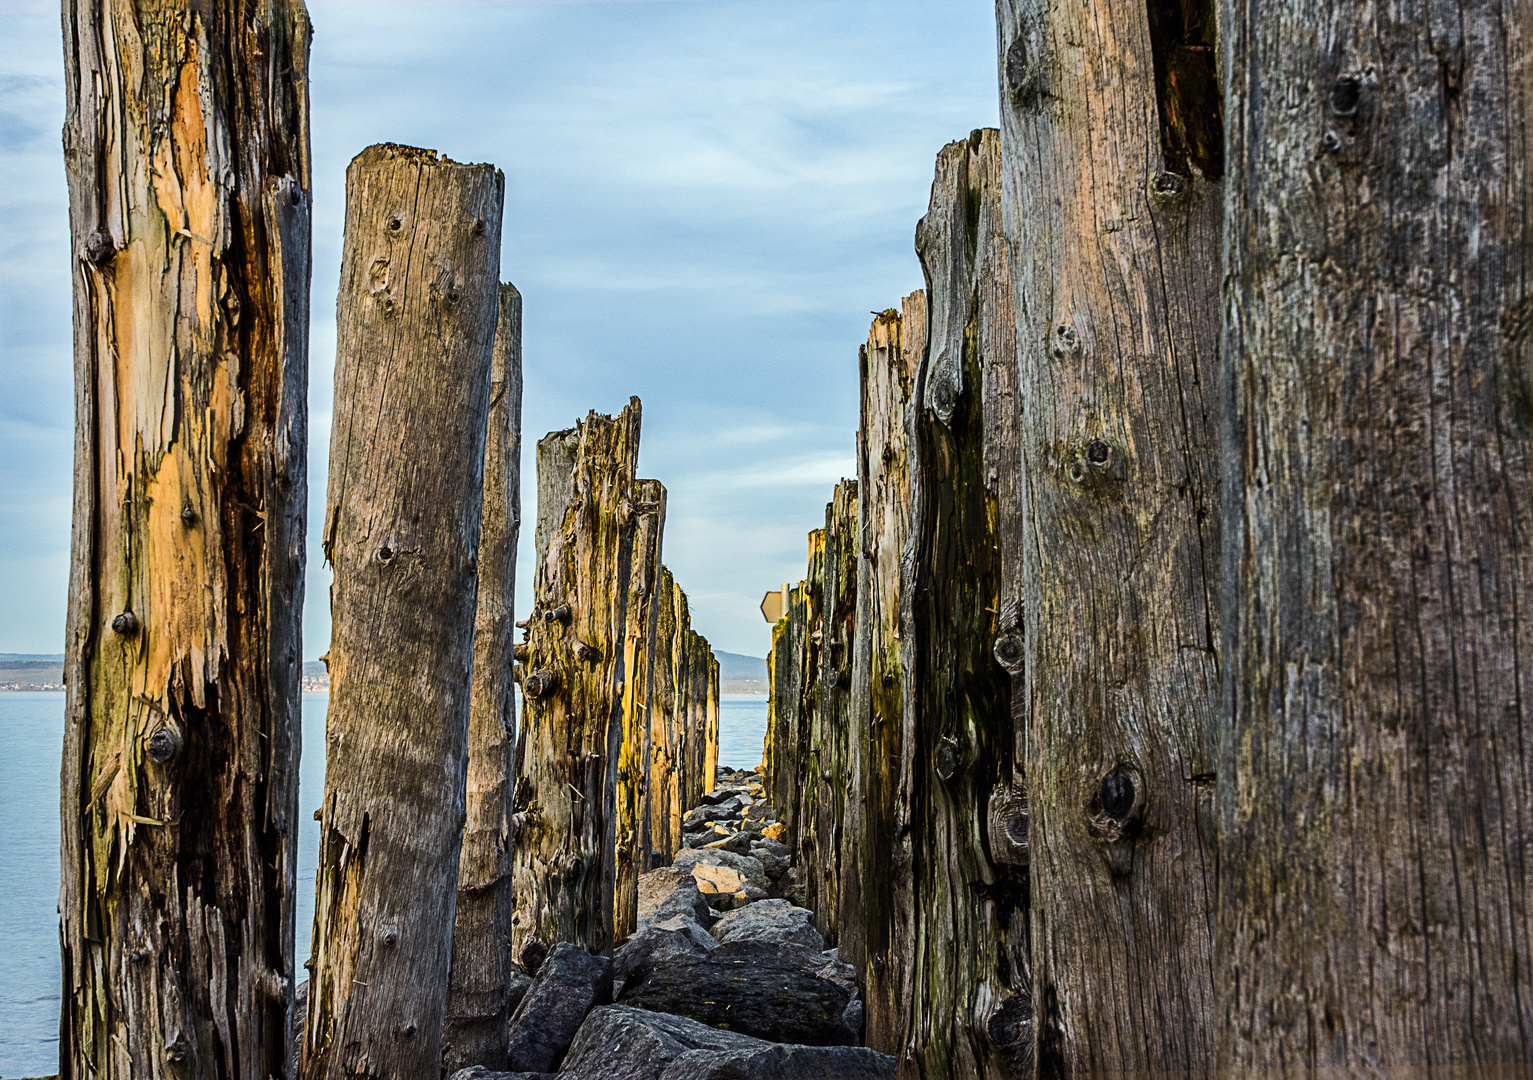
(186, 149)
(620, 697)
(417, 317)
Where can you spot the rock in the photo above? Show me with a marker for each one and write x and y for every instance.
(776, 832)
(775, 921)
(739, 843)
(716, 796)
(712, 834)
(774, 865)
(782, 1063)
(751, 871)
(517, 990)
(773, 845)
(770, 998)
(678, 937)
(760, 811)
(479, 1072)
(823, 964)
(568, 983)
(693, 820)
(851, 1024)
(621, 1043)
(670, 891)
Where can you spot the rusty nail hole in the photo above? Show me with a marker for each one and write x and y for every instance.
(395, 224)
(126, 623)
(1331, 142)
(188, 515)
(1345, 95)
(391, 938)
(888, 678)
(1077, 471)
(385, 553)
(1117, 793)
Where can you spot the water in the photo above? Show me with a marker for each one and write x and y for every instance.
(31, 733)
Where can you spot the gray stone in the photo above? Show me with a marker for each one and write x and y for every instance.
(620, 1043)
(479, 1072)
(748, 871)
(776, 847)
(782, 1063)
(516, 990)
(776, 921)
(568, 983)
(770, 998)
(675, 938)
(711, 834)
(694, 820)
(716, 796)
(668, 892)
(774, 865)
(739, 843)
(823, 964)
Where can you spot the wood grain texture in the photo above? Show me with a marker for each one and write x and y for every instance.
(571, 733)
(186, 146)
(875, 856)
(1117, 327)
(416, 327)
(830, 768)
(653, 811)
(1374, 787)
(665, 750)
(963, 994)
(475, 1029)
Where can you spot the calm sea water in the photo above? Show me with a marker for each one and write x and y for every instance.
(31, 732)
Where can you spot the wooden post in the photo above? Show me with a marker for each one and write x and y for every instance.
(572, 712)
(711, 720)
(416, 329)
(475, 1031)
(186, 146)
(795, 668)
(1375, 792)
(1117, 325)
(962, 957)
(628, 834)
(876, 857)
(653, 818)
(664, 767)
(829, 775)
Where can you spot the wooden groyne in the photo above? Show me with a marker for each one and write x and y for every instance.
(619, 729)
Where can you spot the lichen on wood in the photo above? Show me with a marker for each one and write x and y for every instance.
(186, 146)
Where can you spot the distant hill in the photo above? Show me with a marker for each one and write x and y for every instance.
(734, 666)
(10, 660)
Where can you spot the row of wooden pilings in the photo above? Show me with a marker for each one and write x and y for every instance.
(892, 749)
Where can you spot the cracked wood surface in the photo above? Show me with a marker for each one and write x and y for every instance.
(475, 1029)
(416, 322)
(1117, 325)
(186, 146)
(1376, 799)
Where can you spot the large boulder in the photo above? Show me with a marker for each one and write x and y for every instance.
(782, 1063)
(775, 921)
(516, 989)
(668, 892)
(726, 879)
(775, 865)
(621, 1043)
(717, 796)
(677, 938)
(713, 833)
(696, 819)
(768, 997)
(739, 843)
(569, 982)
(750, 870)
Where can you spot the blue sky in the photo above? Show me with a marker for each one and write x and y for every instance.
(705, 199)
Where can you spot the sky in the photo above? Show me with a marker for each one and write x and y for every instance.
(705, 202)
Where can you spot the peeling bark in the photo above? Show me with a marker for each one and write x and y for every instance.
(475, 1030)
(186, 147)
(416, 325)
(1376, 801)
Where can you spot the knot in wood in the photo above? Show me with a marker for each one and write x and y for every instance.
(1098, 454)
(888, 678)
(586, 654)
(125, 624)
(1345, 95)
(1009, 652)
(559, 614)
(949, 758)
(1007, 826)
(99, 248)
(1167, 185)
(539, 684)
(534, 952)
(162, 745)
(188, 515)
(519, 653)
(1116, 807)
(1067, 340)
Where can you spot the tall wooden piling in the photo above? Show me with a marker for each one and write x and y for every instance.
(416, 328)
(572, 674)
(475, 1031)
(665, 748)
(831, 732)
(875, 856)
(186, 146)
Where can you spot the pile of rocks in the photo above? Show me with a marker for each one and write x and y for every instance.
(725, 977)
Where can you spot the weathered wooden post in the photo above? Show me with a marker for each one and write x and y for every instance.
(1375, 793)
(475, 1030)
(186, 146)
(416, 328)
(829, 776)
(628, 837)
(792, 777)
(572, 712)
(872, 932)
(1117, 326)
(664, 764)
(963, 967)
